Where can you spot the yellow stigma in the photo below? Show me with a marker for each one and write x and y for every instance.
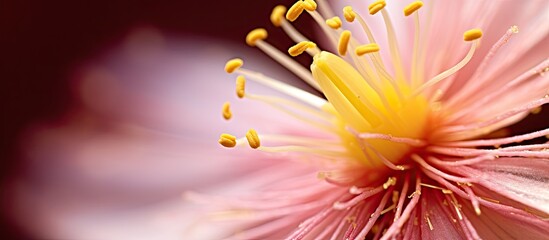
(334, 23)
(472, 34)
(227, 140)
(227, 111)
(368, 48)
(277, 14)
(376, 6)
(343, 42)
(252, 138)
(240, 86)
(309, 5)
(233, 64)
(349, 14)
(412, 7)
(294, 11)
(300, 47)
(255, 35)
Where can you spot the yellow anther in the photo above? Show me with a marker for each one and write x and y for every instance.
(412, 7)
(376, 6)
(309, 5)
(293, 13)
(227, 140)
(472, 34)
(349, 14)
(252, 138)
(240, 86)
(227, 111)
(277, 15)
(343, 42)
(233, 64)
(255, 35)
(390, 182)
(334, 22)
(368, 48)
(300, 47)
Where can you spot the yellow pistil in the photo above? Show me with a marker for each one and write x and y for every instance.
(233, 65)
(240, 86)
(376, 6)
(349, 14)
(334, 23)
(256, 35)
(412, 7)
(227, 140)
(277, 14)
(343, 42)
(309, 5)
(368, 48)
(472, 34)
(300, 47)
(253, 139)
(227, 111)
(294, 11)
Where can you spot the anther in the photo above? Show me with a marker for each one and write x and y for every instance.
(240, 86)
(472, 34)
(277, 14)
(343, 42)
(255, 35)
(412, 7)
(294, 11)
(227, 111)
(233, 64)
(300, 47)
(376, 6)
(390, 182)
(368, 48)
(334, 23)
(252, 138)
(227, 140)
(309, 5)
(349, 14)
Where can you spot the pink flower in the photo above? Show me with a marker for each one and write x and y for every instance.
(407, 140)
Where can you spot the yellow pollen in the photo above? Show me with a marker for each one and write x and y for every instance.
(227, 140)
(233, 64)
(252, 138)
(294, 11)
(309, 5)
(472, 34)
(349, 14)
(227, 111)
(300, 47)
(343, 42)
(334, 22)
(277, 14)
(390, 182)
(412, 7)
(240, 86)
(376, 6)
(368, 48)
(255, 35)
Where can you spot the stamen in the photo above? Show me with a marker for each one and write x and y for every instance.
(301, 47)
(472, 34)
(445, 191)
(376, 6)
(349, 14)
(412, 7)
(240, 86)
(227, 111)
(253, 139)
(227, 140)
(294, 11)
(343, 42)
(233, 65)
(334, 23)
(309, 5)
(277, 15)
(391, 181)
(255, 35)
(368, 48)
